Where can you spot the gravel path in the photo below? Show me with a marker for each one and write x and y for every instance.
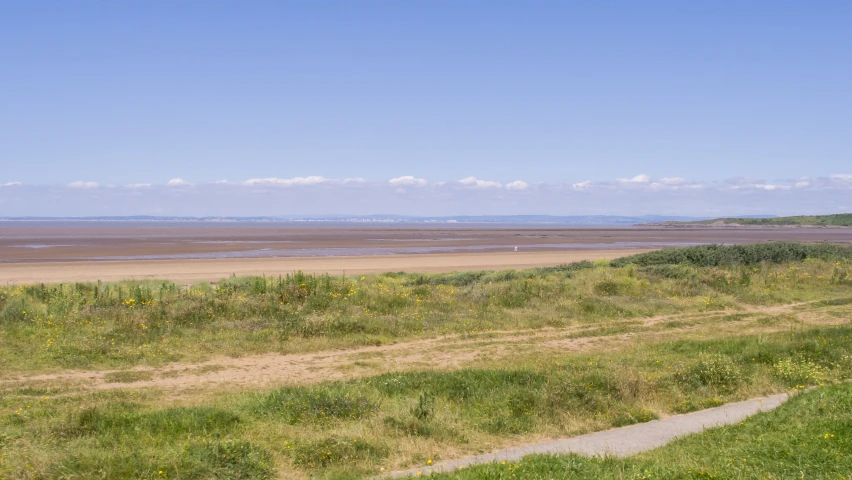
(620, 442)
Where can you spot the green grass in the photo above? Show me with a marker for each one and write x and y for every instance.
(120, 325)
(837, 220)
(357, 427)
(670, 261)
(129, 376)
(810, 436)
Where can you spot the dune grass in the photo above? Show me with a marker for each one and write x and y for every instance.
(739, 255)
(356, 428)
(120, 325)
(361, 427)
(810, 436)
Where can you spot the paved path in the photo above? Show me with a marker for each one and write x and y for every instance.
(620, 442)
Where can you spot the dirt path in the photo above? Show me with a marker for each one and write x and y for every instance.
(274, 368)
(620, 442)
(446, 352)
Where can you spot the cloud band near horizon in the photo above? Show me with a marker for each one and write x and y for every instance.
(410, 195)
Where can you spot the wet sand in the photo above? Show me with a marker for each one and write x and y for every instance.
(191, 251)
(191, 271)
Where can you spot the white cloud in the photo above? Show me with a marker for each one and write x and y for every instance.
(272, 196)
(761, 186)
(178, 182)
(641, 178)
(288, 182)
(476, 183)
(408, 180)
(11, 184)
(221, 182)
(672, 181)
(831, 182)
(81, 184)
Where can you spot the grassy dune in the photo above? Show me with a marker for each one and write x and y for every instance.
(836, 220)
(85, 326)
(351, 429)
(728, 339)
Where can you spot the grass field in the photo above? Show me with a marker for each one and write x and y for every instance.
(88, 325)
(808, 437)
(536, 354)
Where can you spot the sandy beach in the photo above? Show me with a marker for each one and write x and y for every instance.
(186, 253)
(190, 271)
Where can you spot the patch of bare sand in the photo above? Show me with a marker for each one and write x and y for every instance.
(191, 271)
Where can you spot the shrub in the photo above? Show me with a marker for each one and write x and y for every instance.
(716, 255)
(425, 408)
(616, 287)
(799, 372)
(716, 371)
(18, 309)
(633, 415)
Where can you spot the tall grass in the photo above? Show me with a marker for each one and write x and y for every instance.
(810, 436)
(352, 429)
(739, 255)
(86, 325)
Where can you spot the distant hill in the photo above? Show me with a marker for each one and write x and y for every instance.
(836, 220)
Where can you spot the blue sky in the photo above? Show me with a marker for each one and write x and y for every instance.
(696, 102)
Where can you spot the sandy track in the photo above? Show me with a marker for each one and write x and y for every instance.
(445, 352)
(190, 271)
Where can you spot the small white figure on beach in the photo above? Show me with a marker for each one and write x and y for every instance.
(516, 249)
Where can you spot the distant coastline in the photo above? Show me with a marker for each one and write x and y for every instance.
(840, 220)
(383, 219)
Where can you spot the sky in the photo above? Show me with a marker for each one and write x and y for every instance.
(425, 107)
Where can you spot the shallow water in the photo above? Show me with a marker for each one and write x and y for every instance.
(398, 250)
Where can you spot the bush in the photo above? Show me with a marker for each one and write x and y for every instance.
(799, 372)
(19, 309)
(715, 371)
(717, 255)
(609, 288)
(425, 408)
(632, 416)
